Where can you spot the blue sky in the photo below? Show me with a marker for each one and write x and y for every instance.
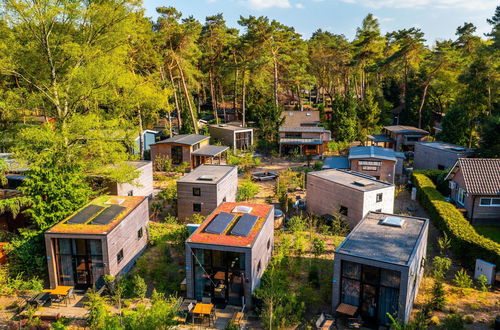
(438, 19)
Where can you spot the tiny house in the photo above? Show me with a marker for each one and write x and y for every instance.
(232, 135)
(142, 186)
(382, 163)
(202, 190)
(438, 155)
(228, 254)
(104, 237)
(349, 194)
(399, 138)
(379, 266)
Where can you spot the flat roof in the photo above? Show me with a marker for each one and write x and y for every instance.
(374, 152)
(262, 211)
(446, 147)
(380, 138)
(302, 129)
(128, 202)
(336, 162)
(213, 172)
(371, 239)
(231, 127)
(352, 179)
(210, 150)
(187, 139)
(139, 163)
(400, 129)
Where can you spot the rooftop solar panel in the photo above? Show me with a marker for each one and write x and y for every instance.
(108, 215)
(85, 214)
(244, 225)
(220, 223)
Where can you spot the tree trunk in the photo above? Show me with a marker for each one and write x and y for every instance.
(275, 82)
(176, 99)
(243, 100)
(221, 91)
(235, 89)
(188, 98)
(212, 95)
(300, 99)
(422, 106)
(141, 137)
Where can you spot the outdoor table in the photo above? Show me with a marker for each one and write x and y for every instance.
(347, 309)
(60, 291)
(203, 310)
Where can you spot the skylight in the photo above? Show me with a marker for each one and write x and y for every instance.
(114, 201)
(393, 222)
(363, 183)
(206, 178)
(242, 209)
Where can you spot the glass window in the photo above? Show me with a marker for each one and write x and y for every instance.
(350, 291)
(461, 196)
(343, 210)
(388, 303)
(196, 207)
(119, 256)
(489, 202)
(351, 270)
(371, 275)
(379, 197)
(390, 278)
(196, 192)
(139, 233)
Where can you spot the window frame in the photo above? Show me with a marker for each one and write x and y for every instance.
(381, 195)
(198, 190)
(140, 233)
(461, 196)
(491, 202)
(195, 206)
(119, 256)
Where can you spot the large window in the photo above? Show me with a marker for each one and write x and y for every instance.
(196, 191)
(489, 202)
(219, 275)
(176, 155)
(374, 290)
(79, 262)
(370, 163)
(196, 207)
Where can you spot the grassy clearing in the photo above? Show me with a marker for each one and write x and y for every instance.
(492, 232)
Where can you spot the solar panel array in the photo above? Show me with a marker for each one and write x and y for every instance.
(108, 215)
(220, 223)
(244, 225)
(85, 214)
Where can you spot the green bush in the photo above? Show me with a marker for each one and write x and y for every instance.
(440, 266)
(247, 190)
(438, 299)
(465, 241)
(462, 279)
(482, 282)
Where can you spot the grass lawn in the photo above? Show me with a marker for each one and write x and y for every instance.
(492, 232)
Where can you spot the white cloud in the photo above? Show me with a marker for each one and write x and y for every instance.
(442, 4)
(300, 6)
(265, 4)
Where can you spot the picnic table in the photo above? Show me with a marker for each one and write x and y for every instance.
(61, 292)
(39, 299)
(203, 310)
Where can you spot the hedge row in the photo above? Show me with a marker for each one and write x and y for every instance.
(466, 243)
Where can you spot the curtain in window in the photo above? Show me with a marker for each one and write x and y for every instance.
(66, 275)
(351, 270)
(388, 303)
(96, 262)
(199, 278)
(390, 278)
(350, 291)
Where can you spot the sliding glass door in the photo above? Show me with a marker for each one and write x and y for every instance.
(79, 262)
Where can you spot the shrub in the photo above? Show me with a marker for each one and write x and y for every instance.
(453, 321)
(462, 279)
(465, 241)
(319, 246)
(247, 190)
(438, 299)
(440, 265)
(482, 282)
(296, 224)
(140, 286)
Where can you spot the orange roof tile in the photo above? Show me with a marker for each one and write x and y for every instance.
(260, 210)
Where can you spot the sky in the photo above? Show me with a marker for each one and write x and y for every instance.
(438, 19)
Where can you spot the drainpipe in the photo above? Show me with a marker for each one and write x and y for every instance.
(472, 211)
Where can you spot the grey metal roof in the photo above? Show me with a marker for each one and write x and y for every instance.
(336, 162)
(300, 141)
(351, 178)
(210, 150)
(444, 146)
(372, 240)
(231, 127)
(374, 152)
(300, 129)
(400, 129)
(217, 171)
(187, 139)
(380, 138)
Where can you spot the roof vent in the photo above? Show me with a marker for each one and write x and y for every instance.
(308, 114)
(115, 201)
(393, 222)
(242, 209)
(458, 149)
(206, 178)
(363, 183)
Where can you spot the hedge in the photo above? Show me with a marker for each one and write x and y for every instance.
(466, 243)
